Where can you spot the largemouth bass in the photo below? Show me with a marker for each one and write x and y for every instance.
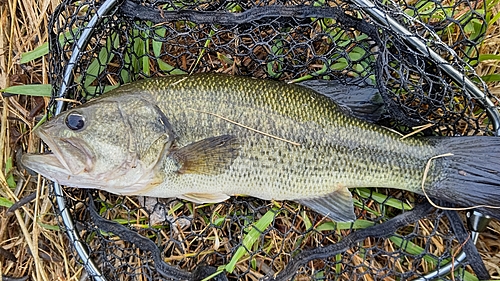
(206, 137)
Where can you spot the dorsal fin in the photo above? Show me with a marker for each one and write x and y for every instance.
(363, 102)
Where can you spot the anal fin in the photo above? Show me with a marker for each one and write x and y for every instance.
(337, 205)
(201, 198)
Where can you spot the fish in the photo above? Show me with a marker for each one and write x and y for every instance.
(206, 137)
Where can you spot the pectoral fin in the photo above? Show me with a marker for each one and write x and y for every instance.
(210, 156)
(201, 198)
(338, 205)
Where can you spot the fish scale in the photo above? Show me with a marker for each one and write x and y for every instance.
(206, 137)
(329, 140)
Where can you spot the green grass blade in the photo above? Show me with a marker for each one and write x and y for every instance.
(38, 52)
(413, 249)
(219, 270)
(491, 78)
(99, 64)
(43, 49)
(48, 226)
(36, 90)
(8, 173)
(484, 57)
(44, 118)
(306, 220)
(331, 226)
(205, 47)
(252, 236)
(494, 19)
(381, 198)
(4, 202)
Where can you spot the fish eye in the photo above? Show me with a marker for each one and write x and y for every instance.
(75, 121)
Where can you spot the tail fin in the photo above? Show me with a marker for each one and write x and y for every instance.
(471, 176)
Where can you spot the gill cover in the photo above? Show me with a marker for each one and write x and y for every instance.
(112, 143)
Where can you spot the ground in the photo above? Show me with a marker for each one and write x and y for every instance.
(34, 228)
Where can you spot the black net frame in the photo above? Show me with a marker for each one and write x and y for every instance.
(403, 48)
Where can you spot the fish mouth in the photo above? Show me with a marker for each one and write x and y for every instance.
(67, 156)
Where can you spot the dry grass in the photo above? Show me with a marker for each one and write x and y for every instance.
(39, 251)
(491, 45)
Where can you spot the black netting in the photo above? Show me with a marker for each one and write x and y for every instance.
(291, 41)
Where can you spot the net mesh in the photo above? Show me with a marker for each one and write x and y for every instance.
(286, 40)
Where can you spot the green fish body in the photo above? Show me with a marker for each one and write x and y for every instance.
(206, 137)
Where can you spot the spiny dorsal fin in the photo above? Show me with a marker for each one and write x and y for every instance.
(337, 205)
(210, 156)
(363, 102)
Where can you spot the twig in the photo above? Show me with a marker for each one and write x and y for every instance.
(426, 171)
(180, 81)
(68, 100)
(394, 131)
(454, 255)
(417, 129)
(246, 127)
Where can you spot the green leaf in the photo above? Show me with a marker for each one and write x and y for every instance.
(49, 226)
(494, 19)
(414, 249)
(491, 78)
(43, 49)
(93, 89)
(276, 50)
(9, 177)
(484, 57)
(99, 64)
(381, 198)
(252, 236)
(43, 120)
(323, 69)
(157, 45)
(4, 202)
(170, 69)
(331, 226)
(219, 270)
(36, 90)
(225, 59)
(340, 65)
(38, 52)
(357, 54)
(306, 220)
